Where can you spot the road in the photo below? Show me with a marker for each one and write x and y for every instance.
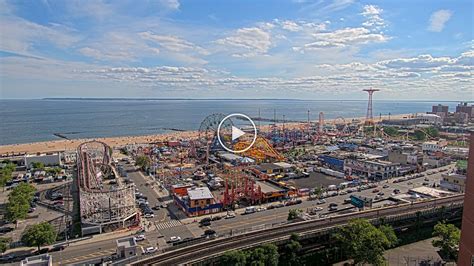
(165, 227)
(208, 249)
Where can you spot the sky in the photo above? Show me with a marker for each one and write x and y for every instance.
(300, 49)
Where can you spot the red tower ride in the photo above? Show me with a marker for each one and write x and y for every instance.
(369, 118)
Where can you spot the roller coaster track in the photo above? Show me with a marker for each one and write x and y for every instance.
(200, 251)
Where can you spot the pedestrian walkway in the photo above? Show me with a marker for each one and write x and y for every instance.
(172, 223)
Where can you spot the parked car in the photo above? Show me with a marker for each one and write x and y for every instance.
(149, 215)
(140, 238)
(210, 233)
(57, 248)
(174, 239)
(150, 250)
(6, 229)
(230, 215)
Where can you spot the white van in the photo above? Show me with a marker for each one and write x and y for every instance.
(250, 210)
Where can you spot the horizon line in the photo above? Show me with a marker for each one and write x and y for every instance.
(222, 99)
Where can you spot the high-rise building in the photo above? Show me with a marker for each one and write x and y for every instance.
(465, 108)
(440, 109)
(466, 247)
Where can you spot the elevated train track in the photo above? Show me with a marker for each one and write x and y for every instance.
(201, 251)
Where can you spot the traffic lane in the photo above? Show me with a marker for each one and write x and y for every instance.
(143, 185)
(72, 252)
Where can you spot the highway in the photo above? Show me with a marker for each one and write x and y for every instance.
(218, 246)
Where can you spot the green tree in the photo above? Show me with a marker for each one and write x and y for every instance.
(448, 237)
(264, 255)
(5, 176)
(234, 257)
(290, 251)
(365, 243)
(143, 162)
(433, 132)
(19, 202)
(391, 131)
(37, 165)
(419, 135)
(39, 235)
(293, 214)
(318, 191)
(4, 244)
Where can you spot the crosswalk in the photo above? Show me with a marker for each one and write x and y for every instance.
(172, 223)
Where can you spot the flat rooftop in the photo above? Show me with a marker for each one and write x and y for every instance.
(268, 188)
(126, 242)
(199, 193)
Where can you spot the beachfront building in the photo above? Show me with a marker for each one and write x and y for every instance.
(48, 159)
(371, 169)
(197, 201)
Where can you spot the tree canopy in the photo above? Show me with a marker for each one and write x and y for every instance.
(4, 244)
(293, 214)
(447, 238)
(37, 165)
(6, 174)
(38, 235)
(365, 243)
(19, 202)
(143, 162)
(262, 255)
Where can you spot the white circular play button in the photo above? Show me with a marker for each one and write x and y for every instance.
(241, 130)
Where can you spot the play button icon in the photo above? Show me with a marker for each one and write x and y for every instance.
(237, 133)
(239, 130)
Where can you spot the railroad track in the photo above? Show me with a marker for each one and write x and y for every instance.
(216, 247)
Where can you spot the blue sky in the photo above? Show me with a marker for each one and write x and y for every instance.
(323, 49)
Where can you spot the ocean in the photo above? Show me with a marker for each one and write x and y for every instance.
(24, 121)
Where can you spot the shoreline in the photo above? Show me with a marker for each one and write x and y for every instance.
(70, 145)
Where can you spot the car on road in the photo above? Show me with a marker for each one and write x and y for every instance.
(380, 193)
(396, 191)
(261, 209)
(58, 203)
(427, 179)
(375, 191)
(343, 193)
(7, 258)
(210, 233)
(347, 201)
(410, 183)
(321, 201)
(426, 184)
(216, 218)
(174, 239)
(57, 248)
(332, 204)
(6, 229)
(230, 215)
(149, 215)
(150, 250)
(139, 238)
(386, 186)
(250, 210)
(332, 208)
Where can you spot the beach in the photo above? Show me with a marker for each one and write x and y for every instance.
(70, 145)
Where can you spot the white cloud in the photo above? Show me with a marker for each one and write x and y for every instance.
(438, 19)
(21, 36)
(343, 38)
(170, 4)
(248, 41)
(173, 43)
(372, 14)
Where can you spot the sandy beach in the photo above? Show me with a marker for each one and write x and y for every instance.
(69, 145)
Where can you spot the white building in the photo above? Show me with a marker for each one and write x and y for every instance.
(40, 260)
(47, 159)
(433, 146)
